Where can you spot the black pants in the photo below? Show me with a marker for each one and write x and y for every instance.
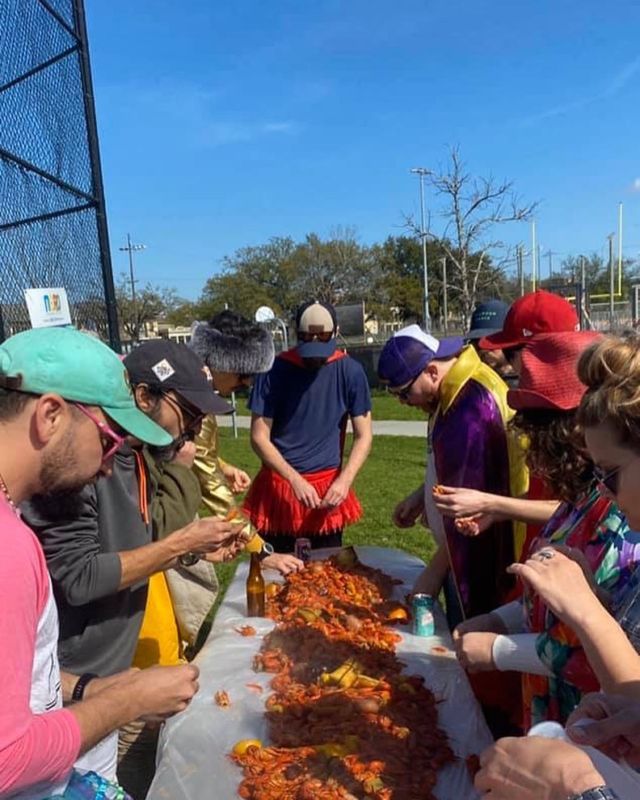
(286, 542)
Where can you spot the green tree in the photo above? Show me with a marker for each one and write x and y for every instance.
(252, 277)
(336, 270)
(596, 273)
(282, 274)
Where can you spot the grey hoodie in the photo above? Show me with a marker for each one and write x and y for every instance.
(99, 625)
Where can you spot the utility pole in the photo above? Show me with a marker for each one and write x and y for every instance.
(534, 251)
(131, 249)
(611, 237)
(549, 254)
(620, 250)
(422, 172)
(520, 263)
(583, 294)
(445, 308)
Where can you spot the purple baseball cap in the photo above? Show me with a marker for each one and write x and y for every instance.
(409, 351)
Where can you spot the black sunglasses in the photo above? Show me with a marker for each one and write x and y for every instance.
(192, 416)
(403, 394)
(322, 336)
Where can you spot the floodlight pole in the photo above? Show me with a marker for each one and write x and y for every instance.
(422, 172)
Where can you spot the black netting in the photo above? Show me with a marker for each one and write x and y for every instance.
(50, 205)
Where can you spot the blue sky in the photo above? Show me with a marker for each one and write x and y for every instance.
(225, 123)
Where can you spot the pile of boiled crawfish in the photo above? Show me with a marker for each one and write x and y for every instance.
(344, 722)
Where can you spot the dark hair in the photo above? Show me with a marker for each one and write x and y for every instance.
(556, 452)
(12, 403)
(230, 322)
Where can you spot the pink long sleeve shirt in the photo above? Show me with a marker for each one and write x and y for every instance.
(39, 740)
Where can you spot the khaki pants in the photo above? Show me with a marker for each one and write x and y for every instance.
(137, 744)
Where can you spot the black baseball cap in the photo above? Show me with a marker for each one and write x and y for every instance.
(170, 366)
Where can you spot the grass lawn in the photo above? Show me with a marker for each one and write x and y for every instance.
(384, 406)
(394, 468)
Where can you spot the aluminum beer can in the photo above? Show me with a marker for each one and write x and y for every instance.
(303, 549)
(422, 612)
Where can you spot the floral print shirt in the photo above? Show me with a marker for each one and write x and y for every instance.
(596, 526)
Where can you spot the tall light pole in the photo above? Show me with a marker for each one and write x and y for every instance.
(534, 252)
(612, 315)
(423, 172)
(445, 298)
(131, 249)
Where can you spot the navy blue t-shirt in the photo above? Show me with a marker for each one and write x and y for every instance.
(309, 408)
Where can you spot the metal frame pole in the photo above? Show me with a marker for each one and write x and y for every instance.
(96, 174)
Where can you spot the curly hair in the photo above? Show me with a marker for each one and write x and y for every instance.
(610, 369)
(556, 451)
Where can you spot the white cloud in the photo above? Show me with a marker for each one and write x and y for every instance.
(194, 114)
(635, 186)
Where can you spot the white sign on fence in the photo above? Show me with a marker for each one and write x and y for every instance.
(47, 307)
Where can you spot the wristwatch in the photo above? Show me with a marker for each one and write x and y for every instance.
(597, 793)
(266, 551)
(188, 559)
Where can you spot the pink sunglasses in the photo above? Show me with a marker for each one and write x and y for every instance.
(106, 432)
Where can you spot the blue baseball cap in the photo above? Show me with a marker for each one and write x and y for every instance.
(487, 318)
(409, 351)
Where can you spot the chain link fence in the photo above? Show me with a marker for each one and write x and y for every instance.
(52, 221)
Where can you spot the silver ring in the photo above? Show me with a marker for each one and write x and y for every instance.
(546, 554)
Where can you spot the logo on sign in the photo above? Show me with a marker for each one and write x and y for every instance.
(52, 303)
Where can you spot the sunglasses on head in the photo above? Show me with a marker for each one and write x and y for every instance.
(309, 336)
(111, 441)
(607, 480)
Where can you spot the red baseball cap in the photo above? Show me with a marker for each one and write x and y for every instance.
(548, 376)
(531, 314)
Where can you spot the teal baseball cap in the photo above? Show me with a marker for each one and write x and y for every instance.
(79, 368)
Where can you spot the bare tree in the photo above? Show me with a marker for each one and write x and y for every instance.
(151, 303)
(472, 208)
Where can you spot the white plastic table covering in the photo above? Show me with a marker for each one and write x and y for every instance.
(192, 754)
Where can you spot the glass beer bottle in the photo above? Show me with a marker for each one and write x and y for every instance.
(255, 588)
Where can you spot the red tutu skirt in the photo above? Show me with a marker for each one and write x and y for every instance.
(273, 508)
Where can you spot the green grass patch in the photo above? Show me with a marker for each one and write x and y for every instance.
(394, 468)
(383, 406)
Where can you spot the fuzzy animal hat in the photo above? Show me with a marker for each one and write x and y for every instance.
(232, 343)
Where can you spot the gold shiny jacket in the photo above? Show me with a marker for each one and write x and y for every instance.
(217, 496)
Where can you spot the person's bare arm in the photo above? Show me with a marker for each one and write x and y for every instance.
(362, 439)
(202, 536)
(158, 692)
(562, 584)
(272, 458)
(433, 576)
(461, 502)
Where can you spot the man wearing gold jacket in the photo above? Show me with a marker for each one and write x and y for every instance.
(234, 349)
